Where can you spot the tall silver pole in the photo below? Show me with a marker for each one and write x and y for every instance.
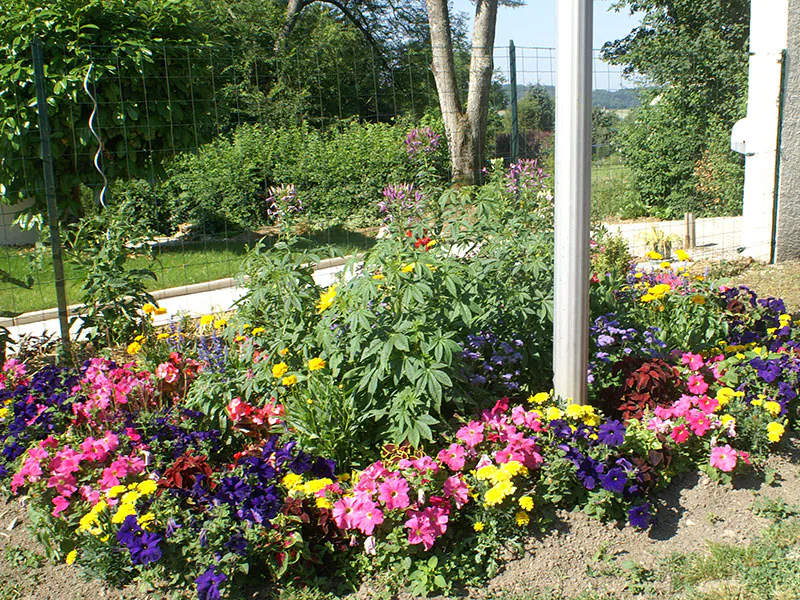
(573, 163)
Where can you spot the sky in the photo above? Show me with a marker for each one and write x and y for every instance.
(534, 26)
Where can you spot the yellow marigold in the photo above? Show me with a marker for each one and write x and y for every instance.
(666, 265)
(4, 412)
(682, 255)
(772, 408)
(160, 311)
(498, 492)
(408, 268)
(326, 299)
(698, 299)
(526, 502)
(659, 290)
(220, 323)
(500, 475)
(724, 395)
(71, 556)
(124, 511)
(514, 468)
(647, 298)
(257, 330)
(478, 526)
(726, 418)
(206, 320)
(379, 276)
(522, 518)
(775, 431)
(324, 503)
(130, 497)
(315, 364)
(279, 370)
(162, 336)
(146, 521)
(539, 398)
(146, 487)
(638, 275)
(87, 521)
(316, 485)
(148, 308)
(292, 481)
(575, 411)
(653, 255)
(289, 380)
(134, 348)
(552, 413)
(485, 472)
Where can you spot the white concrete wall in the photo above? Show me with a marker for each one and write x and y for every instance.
(768, 40)
(10, 234)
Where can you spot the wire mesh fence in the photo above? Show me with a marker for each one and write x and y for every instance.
(146, 110)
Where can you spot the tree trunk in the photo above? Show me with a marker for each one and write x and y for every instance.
(466, 131)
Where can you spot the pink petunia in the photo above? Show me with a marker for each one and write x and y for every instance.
(452, 456)
(698, 422)
(344, 512)
(367, 516)
(707, 404)
(694, 361)
(471, 434)
(61, 504)
(697, 385)
(420, 531)
(680, 434)
(723, 458)
(425, 463)
(455, 488)
(393, 492)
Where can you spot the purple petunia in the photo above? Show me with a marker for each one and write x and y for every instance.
(611, 433)
(208, 584)
(640, 516)
(614, 481)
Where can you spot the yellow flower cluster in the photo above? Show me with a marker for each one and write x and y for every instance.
(315, 364)
(279, 370)
(775, 431)
(297, 487)
(656, 292)
(136, 345)
(584, 413)
(128, 497)
(500, 478)
(91, 521)
(326, 299)
(151, 310)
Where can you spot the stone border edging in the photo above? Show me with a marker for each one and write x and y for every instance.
(73, 310)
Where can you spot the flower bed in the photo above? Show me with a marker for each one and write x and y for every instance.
(393, 424)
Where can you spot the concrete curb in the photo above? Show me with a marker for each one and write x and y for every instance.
(74, 310)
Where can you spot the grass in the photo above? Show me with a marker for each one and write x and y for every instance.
(192, 262)
(613, 194)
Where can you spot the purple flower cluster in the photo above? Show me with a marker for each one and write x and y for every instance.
(37, 408)
(422, 140)
(213, 352)
(525, 175)
(492, 363)
(283, 200)
(402, 203)
(143, 545)
(612, 342)
(208, 584)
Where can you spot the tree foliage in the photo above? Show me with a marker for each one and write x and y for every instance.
(695, 53)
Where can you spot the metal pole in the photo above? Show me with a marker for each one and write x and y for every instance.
(573, 155)
(50, 194)
(512, 59)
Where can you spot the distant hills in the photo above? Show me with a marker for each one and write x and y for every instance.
(618, 99)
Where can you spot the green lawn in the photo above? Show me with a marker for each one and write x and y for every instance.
(613, 194)
(174, 266)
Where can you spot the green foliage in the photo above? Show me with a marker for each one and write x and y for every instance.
(140, 204)
(535, 110)
(124, 42)
(113, 294)
(338, 173)
(696, 52)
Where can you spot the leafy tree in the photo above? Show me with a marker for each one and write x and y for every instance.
(124, 42)
(695, 53)
(535, 110)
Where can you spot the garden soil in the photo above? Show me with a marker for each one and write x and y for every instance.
(576, 555)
